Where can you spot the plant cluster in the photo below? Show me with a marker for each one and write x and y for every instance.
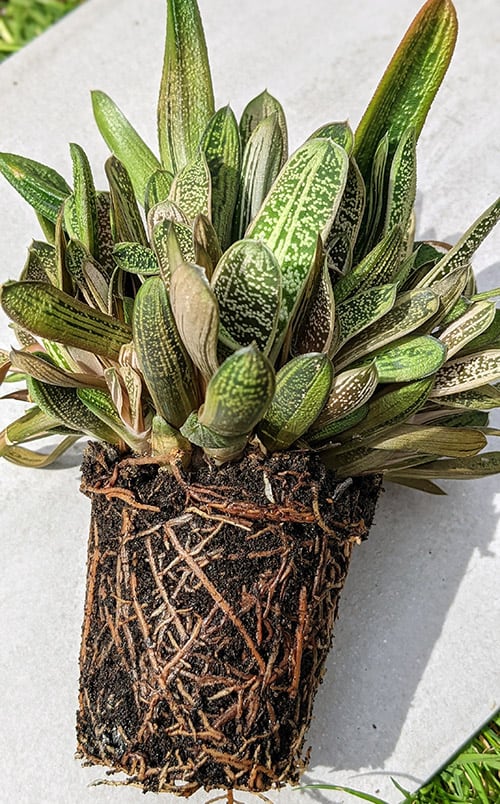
(225, 293)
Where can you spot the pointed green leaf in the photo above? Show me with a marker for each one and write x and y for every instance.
(314, 330)
(339, 132)
(238, 393)
(207, 250)
(63, 404)
(40, 265)
(377, 268)
(196, 314)
(84, 218)
(125, 143)
(260, 107)
(376, 201)
(402, 182)
(157, 189)
(455, 468)
(329, 431)
(489, 338)
(186, 100)
(247, 284)
(126, 216)
(162, 357)
(191, 188)
(42, 187)
(414, 483)
(302, 388)
(468, 372)
(447, 441)
(50, 313)
(221, 146)
(33, 425)
(344, 232)
(350, 390)
(100, 404)
(173, 244)
(410, 358)
(475, 321)
(358, 313)
(410, 82)
(203, 436)
(135, 258)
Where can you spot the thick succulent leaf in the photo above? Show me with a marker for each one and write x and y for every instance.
(42, 187)
(125, 143)
(410, 82)
(221, 146)
(467, 372)
(186, 100)
(196, 313)
(165, 211)
(415, 483)
(302, 202)
(344, 232)
(260, 107)
(377, 268)
(173, 244)
(402, 182)
(40, 265)
(42, 368)
(302, 388)
(262, 161)
(247, 285)
(61, 278)
(167, 441)
(449, 289)
(64, 405)
(100, 404)
(488, 463)
(98, 285)
(315, 330)
(411, 310)
(48, 312)
(191, 188)
(376, 201)
(486, 397)
(446, 441)
(207, 250)
(461, 253)
(47, 227)
(350, 391)
(339, 132)
(328, 432)
(37, 460)
(162, 357)
(105, 241)
(358, 313)
(157, 189)
(84, 206)
(135, 258)
(203, 436)
(469, 327)
(125, 214)
(410, 358)
(238, 393)
(489, 338)
(34, 424)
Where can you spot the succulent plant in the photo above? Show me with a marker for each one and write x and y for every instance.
(224, 293)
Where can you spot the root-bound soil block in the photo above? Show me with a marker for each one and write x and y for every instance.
(211, 598)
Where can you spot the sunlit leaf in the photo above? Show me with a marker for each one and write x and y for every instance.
(467, 372)
(260, 107)
(222, 149)
(196, 313)
(42, 187)
(191, 188)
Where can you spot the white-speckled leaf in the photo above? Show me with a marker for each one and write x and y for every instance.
(377, 268)
(468, 372)
(402, 182)
(191, 188)
(358, 313)
(468, 326)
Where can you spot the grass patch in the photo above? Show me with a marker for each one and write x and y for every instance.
(22, 20)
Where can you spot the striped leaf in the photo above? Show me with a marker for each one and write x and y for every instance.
(411, 310)
(486, 397)
(207, 250)
(186, 100)
(221, 146)
(173, 244)
(37, 460)
(48, 312)
(196, 313)
(41, 367)
(262, 161)
(191, 188)
(126, 217)
(125, 143)
(157, 189)
(489, 338)
(410, 82)
(377, 268)
(238, 393)
(42, 187)
(100, 404)
(455, 468)
(84, 206)
(162, 357)
(468, 327)
(247, 285)
(344, 232)
(302, 388)
(446, 441)
(135, 258)
(302, 203)
(402, 182)
(339, 132)
(350, 390)
(260, 107)
(466, 373)
(358, 313)
(63, 404)
(315, 330)
(376, 201)
(329, 431)
(410, 358)
(33, 425)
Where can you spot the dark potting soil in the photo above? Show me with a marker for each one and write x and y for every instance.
(210, 606)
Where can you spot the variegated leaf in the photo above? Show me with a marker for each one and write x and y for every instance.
(350, 390)
(446, 441)
(40, 265)
(42, 187)
(375, 201)
(191, 188)
(135, 258)
(221, 146)
(486, 397)
(402, 183)
(63, 404)
(125, 214)
(207, 250)
(173, 244)
(410, 358)
(221, 448)
(100, 404)
(33, 425)
(264, 105)
(475, 321)
(345, 228)
(196, 313)
(302, 388)
(37, 460)
(358, 313)
(488, 339)
(157, 189)
(247, 285)
(468, 372)
(42, 368)
(377, 268)
(339, 132)
(329, 431)
(84, 207)
(488, 463)
(315, 331)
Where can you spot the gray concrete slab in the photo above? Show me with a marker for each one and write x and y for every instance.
(414, 669)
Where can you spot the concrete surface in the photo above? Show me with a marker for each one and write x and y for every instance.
(414, 669)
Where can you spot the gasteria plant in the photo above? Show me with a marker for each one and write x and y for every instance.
(268, 316)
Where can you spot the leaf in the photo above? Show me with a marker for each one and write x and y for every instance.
(455, 468)
(105, 240)
(402, 182)
(186, 100)
(48, 312)
(207, 250)
(489, 338)
(238, 393)
(339, 132)
(40, 265)
(364, 309)
(33, 425)
(486, 397)
(173, 244)
(417, 484)
(260, 107)
(162, 357)
(314, 331)
(126, 217)
(37, 460)
(376, 201)
(447, 441)
(474, 322)
(345, 228)
(203, 436)
(247, 285)
(157, 189)
(409, 312)
(262, 161)
(167, 441)
(42, 187)
(350, 390)
(84, 207)
(302, 388)
(125, 143)
(41, 368)
(196, 314)
(191, 188)
(377, 268)
(410, 358)
(302, 203)
(329, 431)
(100, 404)
(466, 373)
(221, 146)
(135, 258)
(410, 82)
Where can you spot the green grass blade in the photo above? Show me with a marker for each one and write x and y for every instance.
(42, 187)
(410, 82)
(125, 143)
(221, 146)
(196, 313)
(186, 100)
(192, 188)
